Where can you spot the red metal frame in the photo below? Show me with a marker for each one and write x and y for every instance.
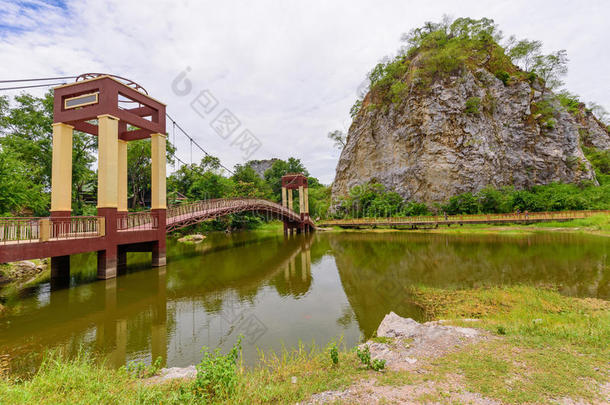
(293, 181)
(148, 117)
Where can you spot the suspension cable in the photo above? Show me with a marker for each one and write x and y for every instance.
(31, 86)
(194, 142)
(37, 79)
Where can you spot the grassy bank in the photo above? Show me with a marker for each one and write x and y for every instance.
(547, 347)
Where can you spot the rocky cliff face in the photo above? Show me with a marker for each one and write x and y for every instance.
(430, 145)
(261, 166)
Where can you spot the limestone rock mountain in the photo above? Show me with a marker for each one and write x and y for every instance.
(463, 133)
(261, 166)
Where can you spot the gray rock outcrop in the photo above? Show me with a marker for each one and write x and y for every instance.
(428, 146)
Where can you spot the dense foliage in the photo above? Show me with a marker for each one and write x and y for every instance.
(373, 200)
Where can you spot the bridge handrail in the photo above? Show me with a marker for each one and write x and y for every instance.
(220, 203)
(468, 217)
(140, 219)
(42, 229)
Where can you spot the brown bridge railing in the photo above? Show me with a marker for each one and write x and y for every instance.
(458, 219)
(141, 220)
(187, 214)
(35, 229)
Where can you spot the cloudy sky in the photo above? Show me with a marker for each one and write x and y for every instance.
(287, 70)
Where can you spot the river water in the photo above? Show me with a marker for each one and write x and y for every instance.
(277, 292)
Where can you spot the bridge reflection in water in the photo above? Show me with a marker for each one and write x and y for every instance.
(204, 296)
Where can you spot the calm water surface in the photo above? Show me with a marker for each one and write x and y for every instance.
(277, 292)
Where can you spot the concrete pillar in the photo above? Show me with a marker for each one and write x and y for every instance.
(121, 262)
(107, 262)
(158, 200)
(301, 200)
(306, 199)
(61, 172)
(290, 198)
(107, 192)
(157, 148)
(284, 197)
(122, 176)
(60, 272)
(107, 166)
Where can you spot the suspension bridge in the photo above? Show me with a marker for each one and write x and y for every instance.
(103, 106)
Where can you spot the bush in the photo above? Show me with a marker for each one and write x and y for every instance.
(503, 76)
(334, 354)
(462, 204)
(217, 374)
(472, 106)
(365, 358)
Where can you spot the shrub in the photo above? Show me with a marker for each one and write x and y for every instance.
(378, 364)
(472, 106)
(141, 370)
(217, 374)
(365, 358)
(355, 108)
(569, 101)
(334, 354)
(503, 76)
(462, 204)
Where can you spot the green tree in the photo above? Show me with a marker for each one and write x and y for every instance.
(273, 175)
(27, 135)
(338, 137)
(248, 183)
(524, 53)
(551, 68)
(19, 191)
(139, 165)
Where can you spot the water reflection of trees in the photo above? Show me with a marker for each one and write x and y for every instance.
(377, 269)
(577, 264)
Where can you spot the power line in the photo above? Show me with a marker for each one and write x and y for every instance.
(29, 87)
(193, 142)
(37, 80)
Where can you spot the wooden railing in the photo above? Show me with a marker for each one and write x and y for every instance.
(138, 220)
(34, 229)
(433, 219)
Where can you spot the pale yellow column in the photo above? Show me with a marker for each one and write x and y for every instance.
(306, 198)
(289, 191)
(284, 197)
(122, 176)
(157, 148)
(61, 172)
(107, 162)
(301, 202)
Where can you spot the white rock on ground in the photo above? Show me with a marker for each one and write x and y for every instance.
(178, 372)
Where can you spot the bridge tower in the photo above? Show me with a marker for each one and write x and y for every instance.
(116, 112)
(291, 182)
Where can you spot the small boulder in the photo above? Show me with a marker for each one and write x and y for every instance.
(396, 326)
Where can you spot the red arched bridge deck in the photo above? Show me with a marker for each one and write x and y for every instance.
(30, 238)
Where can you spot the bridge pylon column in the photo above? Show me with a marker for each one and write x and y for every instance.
(158, 195)
(122, 182)
(107, 192)
(61, 192)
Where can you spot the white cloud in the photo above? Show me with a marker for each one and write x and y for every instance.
(288, 70)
